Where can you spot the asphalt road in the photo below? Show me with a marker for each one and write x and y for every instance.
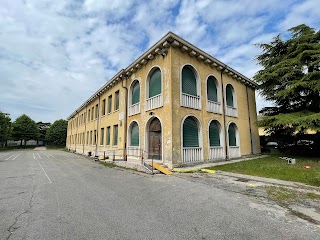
(59, 195)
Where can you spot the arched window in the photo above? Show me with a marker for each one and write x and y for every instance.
(155, 83)
(232, 135)
(190, 133)
(189, 81)
(212, 93)
(230, 96)
(214, 134)
(135, 93)
(134, 134)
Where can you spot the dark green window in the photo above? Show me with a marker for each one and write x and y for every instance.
(232, 135)
(115, 135)
(108, 135)
(189, 81)
(96, 113)
(92, 111)
(214, 134)
(134, 134)
(135, 94)
(90, 137)
(89, 115)
(190, 133)
(104, 107)
(229, 93)
(110, 104)
(116, 104)
(95, 137)
(212, 89)
(102, 136)
(155, 83)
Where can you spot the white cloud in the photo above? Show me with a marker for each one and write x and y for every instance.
(55, 54)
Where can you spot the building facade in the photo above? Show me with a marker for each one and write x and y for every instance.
(175, 104)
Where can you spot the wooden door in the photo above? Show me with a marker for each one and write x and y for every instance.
(155, 145)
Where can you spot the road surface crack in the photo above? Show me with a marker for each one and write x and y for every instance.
(12, 228)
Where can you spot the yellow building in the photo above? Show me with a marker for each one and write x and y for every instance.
(175, 104)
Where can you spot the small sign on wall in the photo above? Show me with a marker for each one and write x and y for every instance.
(121, 116)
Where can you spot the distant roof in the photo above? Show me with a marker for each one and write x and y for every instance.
(161, 47)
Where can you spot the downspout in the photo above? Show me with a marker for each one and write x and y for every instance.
(224, 115)
(98, 121)
(250, 130)
(125, 120)
(85, 129)
(75, 142)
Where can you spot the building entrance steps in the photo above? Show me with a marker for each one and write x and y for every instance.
(159, 167)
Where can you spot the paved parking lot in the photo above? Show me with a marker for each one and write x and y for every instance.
(60, 195)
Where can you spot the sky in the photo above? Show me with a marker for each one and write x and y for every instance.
(55, 54)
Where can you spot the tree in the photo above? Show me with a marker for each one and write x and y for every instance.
(43, 128)
(24, 128)
(57, 133)
(5, 127)
(290, 78)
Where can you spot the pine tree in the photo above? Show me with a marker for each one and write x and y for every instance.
(290, 78)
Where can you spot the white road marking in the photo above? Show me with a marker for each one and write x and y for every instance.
(46, 155)
(10, 157)
(44, 171)
(51, 155)
(15, 157)
(33, 156)
(38, 155)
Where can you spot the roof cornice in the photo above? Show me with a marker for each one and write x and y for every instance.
(161, 48)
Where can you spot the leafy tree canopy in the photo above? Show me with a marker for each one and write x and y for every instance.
(290, 78)
(43, 127)
(57, 133)
(24, 128)
(5, 126)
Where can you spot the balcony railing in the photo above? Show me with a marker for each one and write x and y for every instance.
(190, 101)
(234, 152)
(214, 107)
(192, 154)
(216, 153)
(231, 111)
(154, 102)
(134, 109)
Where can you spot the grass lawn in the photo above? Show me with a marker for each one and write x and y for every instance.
(274, 167)
(52, 147)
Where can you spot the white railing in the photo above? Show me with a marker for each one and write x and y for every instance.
(154, 102)
(234, 152)
(231, 111)
(134, 109)
(216, 153)
(133, 152)
(190, 101)
(214, 107)
(192, 154)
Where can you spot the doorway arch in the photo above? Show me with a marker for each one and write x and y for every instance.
(154, 139)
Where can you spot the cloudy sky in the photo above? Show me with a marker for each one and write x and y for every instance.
(56, 54)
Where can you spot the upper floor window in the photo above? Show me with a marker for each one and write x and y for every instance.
(134, 98)
(154, 96)
(103, 107)
(212, 92)
(116, 102)
(110, 104)
(190, 88)
(231, 108)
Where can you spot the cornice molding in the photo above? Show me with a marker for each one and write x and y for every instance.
(161, 48)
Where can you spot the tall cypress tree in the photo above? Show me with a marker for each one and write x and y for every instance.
(290, 78)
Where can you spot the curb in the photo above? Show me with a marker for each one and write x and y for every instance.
(270, 181)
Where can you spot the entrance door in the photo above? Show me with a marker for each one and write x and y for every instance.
(155, 146)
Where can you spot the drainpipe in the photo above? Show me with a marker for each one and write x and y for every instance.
(75, 142)
(224, 115)
(98, 120)
(125, 119)
(250, 130)
(85, 129)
